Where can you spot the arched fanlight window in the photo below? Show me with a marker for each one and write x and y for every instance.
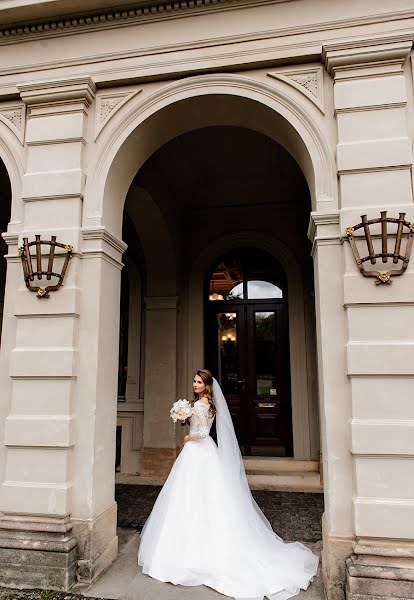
(246, 274)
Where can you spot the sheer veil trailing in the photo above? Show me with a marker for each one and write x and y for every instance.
(231, 458)
(227, 543)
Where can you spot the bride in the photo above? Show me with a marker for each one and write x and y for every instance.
(206, 528)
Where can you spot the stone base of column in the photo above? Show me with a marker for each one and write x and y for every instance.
(335, 551)
(37, 552)
(157, 462)
(97, 543)
(380, 572)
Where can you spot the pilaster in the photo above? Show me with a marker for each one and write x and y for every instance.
(40, 358)
(160, 446)
(374, 156)
(334, 399)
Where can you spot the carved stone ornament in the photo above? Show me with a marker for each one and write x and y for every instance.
(107, 105)
(309, 81)
(13, 117)
(30, 274)
(403, 229)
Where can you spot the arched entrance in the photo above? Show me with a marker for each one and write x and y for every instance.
(194, 200)
(247, 347)
(176, 263)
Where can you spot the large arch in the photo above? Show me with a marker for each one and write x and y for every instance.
(198, 102)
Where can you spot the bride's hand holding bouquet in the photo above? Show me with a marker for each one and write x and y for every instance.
(181, 411)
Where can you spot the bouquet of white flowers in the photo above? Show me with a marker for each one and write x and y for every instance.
(181, 411)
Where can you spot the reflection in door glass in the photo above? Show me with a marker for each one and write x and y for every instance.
(226, 281)
(265, 346)
(227, 352)
(257, 290)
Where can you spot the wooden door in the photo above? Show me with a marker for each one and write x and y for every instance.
(247, 350)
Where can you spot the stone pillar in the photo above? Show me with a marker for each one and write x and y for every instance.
(39, 355)
(160, 438)
(334, 399)
(374, 165)
(93, 506)
(131, 411)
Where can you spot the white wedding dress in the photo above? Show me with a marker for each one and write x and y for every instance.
(204, 531)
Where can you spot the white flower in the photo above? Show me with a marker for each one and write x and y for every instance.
(181, 410)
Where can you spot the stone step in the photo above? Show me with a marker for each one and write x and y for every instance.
(265, 464)
(296, 481)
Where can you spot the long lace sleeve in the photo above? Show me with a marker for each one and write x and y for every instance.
(200, 421)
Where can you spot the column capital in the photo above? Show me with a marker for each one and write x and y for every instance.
(72, 89)
(384, 51)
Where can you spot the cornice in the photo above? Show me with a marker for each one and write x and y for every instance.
(392, 48)
(321, 218)
(150, 10)
(11, 239)
(68, 89)
(101, 233)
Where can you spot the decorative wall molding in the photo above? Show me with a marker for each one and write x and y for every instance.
(11, 239)
(58, 90)
(318, 219)
(101, 233)
(14, 117)
(107, 105)
(308, 80)
(104, 19)
(391, 50)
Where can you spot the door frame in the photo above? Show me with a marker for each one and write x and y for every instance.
(304, 394)
(245, 330)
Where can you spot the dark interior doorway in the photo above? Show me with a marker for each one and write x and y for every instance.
(5, 210)
(247, 348)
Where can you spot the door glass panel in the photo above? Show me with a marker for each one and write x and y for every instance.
(265, 352)
(226, 281)
(227, 352)
(259, 290)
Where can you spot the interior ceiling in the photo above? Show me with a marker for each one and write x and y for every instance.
(224, 166)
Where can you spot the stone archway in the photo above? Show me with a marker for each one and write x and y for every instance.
(143, 127)
(162, 116)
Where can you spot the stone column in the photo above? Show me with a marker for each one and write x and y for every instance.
(374, 165)
(39, 356)
(160, 438)
(93, 507)
(334, 399)
(131, 411)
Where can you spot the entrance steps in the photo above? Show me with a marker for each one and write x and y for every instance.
(283, 474)
(263, 473)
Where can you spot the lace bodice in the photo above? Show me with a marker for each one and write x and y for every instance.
(200, 421)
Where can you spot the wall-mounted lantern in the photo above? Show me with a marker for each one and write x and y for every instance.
(404, 231)
(30, 274)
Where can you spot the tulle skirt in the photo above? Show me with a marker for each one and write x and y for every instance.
(197, 535)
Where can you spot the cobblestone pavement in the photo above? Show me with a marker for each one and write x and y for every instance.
(293, 515)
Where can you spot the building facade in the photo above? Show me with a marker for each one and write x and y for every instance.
(203, 159)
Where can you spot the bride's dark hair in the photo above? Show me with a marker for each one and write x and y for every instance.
(207, 378)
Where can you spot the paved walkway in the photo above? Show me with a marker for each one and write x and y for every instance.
(294, 516)
(125, 581)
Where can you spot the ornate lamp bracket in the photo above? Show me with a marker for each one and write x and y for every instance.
(30, 274)
(384, 255)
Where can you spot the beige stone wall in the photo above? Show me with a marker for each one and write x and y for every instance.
(82, 107)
